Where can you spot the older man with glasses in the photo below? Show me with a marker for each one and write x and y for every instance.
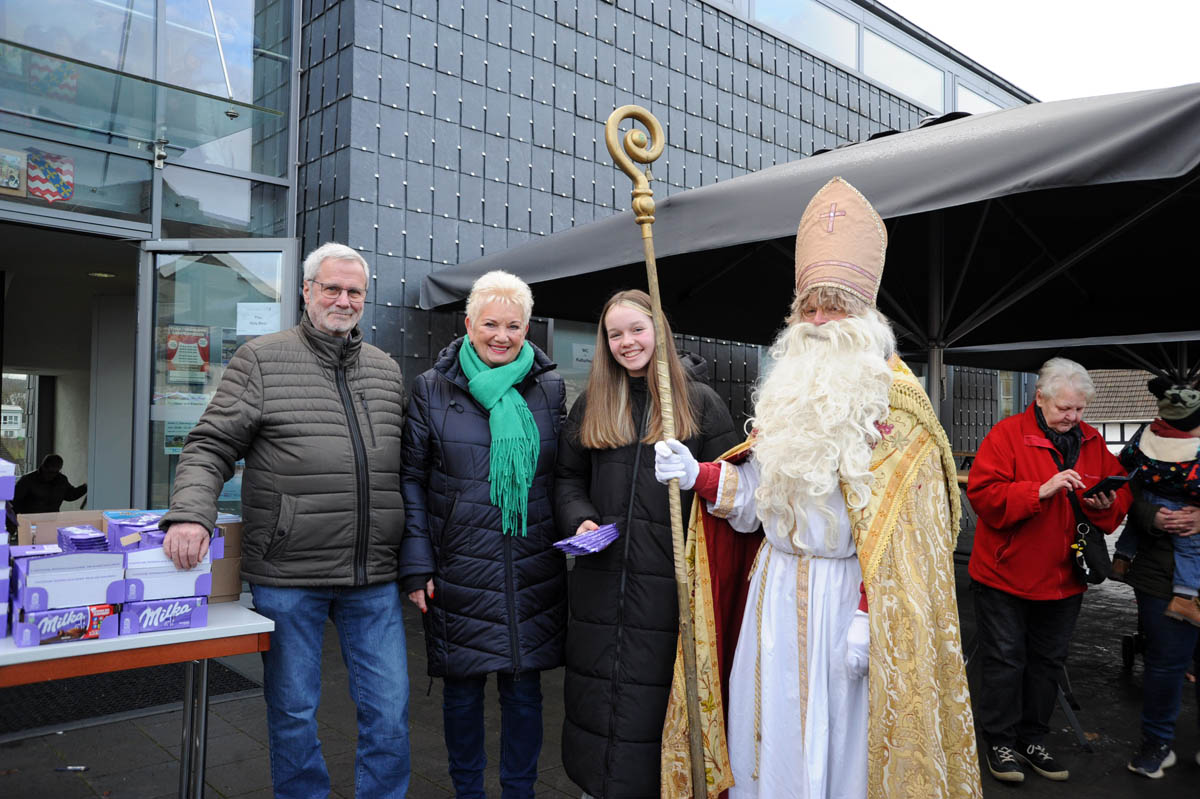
(317, 413)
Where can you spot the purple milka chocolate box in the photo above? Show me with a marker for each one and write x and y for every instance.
(164, 614)
(34, 627)
(130, 532)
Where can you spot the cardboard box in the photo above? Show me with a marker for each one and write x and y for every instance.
(42, 528)
(226, 579)
(150, 574)
(33, 628)
(128, 530)
(8, 480)
(69, 580)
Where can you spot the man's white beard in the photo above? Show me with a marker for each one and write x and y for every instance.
(814, 420)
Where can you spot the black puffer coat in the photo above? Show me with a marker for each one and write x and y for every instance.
(499, 601)
(624, 620)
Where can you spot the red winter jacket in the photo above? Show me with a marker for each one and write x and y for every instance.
(1022, 545)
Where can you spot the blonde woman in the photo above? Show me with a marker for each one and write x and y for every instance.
(479, 453)
(623, 622)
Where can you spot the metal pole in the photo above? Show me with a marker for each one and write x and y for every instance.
(186, 744)
(634, 148)
(200, 725)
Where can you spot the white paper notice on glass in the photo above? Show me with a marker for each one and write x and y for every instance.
(582, 354)
(257, 318)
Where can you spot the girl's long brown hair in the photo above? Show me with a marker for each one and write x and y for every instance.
(608, 421)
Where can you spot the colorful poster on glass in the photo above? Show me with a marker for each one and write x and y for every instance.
(51, 177)
(12, 173)
(187, 354)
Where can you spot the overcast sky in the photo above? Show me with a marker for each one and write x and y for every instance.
(1056, 49)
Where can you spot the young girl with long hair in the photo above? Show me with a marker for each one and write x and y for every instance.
(623, 619)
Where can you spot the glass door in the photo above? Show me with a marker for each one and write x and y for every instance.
(202, 302)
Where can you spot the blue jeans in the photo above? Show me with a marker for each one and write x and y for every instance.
(1170, 644)
(371, 632)
(520, 733)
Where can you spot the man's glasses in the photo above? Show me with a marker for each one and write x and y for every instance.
(331, 292)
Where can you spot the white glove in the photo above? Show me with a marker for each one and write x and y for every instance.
(858, 645)
(673, 460)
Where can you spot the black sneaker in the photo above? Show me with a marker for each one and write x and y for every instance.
(1002, 762)
(1154, 756)
(1041, 761)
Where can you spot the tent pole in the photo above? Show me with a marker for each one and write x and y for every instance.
(964, 267)
(936, 382)
(635, 147)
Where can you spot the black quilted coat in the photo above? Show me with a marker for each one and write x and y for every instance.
(624, 621)
(499, 601)
(318, 420)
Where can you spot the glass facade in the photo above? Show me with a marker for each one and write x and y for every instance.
(206, 306)
(891, 64)
(973, 102)
(115, 36)
(207, 205)
(812, 25)
(43, 174)
(95, 93)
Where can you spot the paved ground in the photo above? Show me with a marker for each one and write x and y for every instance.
(138, 758)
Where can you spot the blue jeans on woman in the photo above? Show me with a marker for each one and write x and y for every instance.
(520, 733)
(371, 631)
(1170, 644)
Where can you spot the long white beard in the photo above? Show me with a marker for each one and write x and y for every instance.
(815, 416)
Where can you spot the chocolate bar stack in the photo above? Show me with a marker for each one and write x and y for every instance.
(82, 538)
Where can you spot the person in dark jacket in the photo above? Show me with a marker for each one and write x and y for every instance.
(45, 490)
(624, 621)
(1170, 642)
(479, 454)
(317, 414)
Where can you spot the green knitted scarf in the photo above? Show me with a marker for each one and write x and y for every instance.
(515, 437)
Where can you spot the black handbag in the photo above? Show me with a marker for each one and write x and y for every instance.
(1089, 549)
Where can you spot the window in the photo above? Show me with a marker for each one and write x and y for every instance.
(973, 102)
(200, 205)
(43, 174)
(118, 36)
(821, 29)
(1006, 405)
(895, 66)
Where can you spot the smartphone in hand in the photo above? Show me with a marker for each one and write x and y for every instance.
(1110, 483)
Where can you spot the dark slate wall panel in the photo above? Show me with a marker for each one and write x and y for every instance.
(437, 132)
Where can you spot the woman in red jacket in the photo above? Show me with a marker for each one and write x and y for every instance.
(1027, 592)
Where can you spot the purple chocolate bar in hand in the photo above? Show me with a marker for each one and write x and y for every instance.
(589, 543)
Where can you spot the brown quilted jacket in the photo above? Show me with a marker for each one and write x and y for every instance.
(318, 419)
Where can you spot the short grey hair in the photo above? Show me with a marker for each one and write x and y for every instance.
(332, 251)
(502, 286)
(1057, 372)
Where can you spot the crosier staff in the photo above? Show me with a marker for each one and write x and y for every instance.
(636, 148)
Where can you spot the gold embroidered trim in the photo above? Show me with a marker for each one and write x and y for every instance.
(907, 395)
(758, 607)
(728, 491)
(917, 430)
(802, 563)
(898, 489)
